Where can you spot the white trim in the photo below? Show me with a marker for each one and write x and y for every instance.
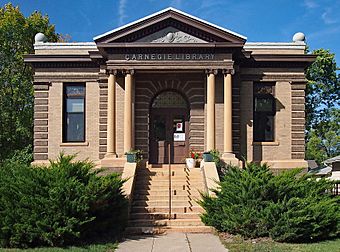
(274, 45)
(62, 46)
(92, 45)
(165, 10)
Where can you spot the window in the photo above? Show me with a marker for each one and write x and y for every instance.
(169, 99)
(264, 112)
(74, 113)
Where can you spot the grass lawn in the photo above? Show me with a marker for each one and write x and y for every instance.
(106, 247)
(237, 244)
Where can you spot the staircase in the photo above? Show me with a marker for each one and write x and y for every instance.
(150, 206)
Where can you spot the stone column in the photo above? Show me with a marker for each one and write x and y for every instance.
(211, 109)
(128, 110)
(228, 131)
(111, 116)
(228, 155)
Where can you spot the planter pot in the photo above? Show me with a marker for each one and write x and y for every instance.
(190, 162)
(131, 158)
(207, 157)
(197, 163)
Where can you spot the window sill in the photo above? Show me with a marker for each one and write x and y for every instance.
(276, 143)
(72, 144)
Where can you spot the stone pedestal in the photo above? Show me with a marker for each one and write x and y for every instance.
(230, 159)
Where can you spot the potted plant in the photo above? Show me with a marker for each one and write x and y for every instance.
(134, 156)
(192, 160)
(207, 156)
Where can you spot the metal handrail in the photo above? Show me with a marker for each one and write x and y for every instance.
(169, 159)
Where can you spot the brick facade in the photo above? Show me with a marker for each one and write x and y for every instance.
(182, 64)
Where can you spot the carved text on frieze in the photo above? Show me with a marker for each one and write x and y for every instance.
(170, 56)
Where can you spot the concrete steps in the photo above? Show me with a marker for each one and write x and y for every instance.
(166, 192)
(168, 229)
(160, 215)
(151, 197)
(155, 203)
(150, 206)
(165, 209)
(166, 222)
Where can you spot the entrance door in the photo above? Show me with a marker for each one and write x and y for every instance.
(169, 126)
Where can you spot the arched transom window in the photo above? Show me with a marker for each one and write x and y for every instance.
(169, 99)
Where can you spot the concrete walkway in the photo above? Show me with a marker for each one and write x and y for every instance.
(172, 242)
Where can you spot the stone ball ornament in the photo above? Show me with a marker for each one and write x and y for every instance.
(170, 36)
(40, 38)
(299, 37)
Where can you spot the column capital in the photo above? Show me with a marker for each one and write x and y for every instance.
(128, 71)
(211, 71)
(111, 71)
(228, 71)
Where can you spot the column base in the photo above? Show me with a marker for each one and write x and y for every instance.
(110, 155)
(112, 162)
(230, 159)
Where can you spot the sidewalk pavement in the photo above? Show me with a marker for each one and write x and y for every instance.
(172, 242)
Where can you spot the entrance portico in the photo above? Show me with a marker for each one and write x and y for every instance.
(204, 96)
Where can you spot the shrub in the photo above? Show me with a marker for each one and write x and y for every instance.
(216, 156)
(24, 156)
(57, 205)
(291, 207)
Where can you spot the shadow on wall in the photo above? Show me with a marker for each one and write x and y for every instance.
(257, 153)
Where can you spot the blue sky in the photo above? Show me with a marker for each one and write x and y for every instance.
(259, 20)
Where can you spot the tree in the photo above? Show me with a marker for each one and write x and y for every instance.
(16, 90)
(322, 107)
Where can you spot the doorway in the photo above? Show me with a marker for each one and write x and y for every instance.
(169, 128)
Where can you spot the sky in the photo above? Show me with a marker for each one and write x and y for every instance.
(258, 20)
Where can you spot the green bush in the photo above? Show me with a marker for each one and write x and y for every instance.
(57, 205)
(252, 202)
(24, 156)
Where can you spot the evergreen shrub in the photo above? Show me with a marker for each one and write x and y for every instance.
(289, 207)
(57, 205)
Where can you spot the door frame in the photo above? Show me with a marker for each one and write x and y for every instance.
(170, 114)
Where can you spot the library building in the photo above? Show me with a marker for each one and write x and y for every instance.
(168, 84)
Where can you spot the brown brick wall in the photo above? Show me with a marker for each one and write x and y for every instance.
(41, 94)
(298, 120)
(103, 94)
(289, 119)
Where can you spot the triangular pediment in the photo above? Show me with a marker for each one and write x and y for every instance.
(171, 35)
(170, 26)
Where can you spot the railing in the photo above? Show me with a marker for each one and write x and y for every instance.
(336, 189)
(169, 159)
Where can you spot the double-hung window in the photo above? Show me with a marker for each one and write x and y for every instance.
(74, 113)
(264, 112)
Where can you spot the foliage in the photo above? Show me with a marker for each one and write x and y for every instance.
(252, 202)
(24, 156)
(57, 205)
(322, 107)
(16, 90)
(194, 154)
(216, 156)
(238, 244)
(138, 155)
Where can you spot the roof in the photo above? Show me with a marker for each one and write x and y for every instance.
(164, 12)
